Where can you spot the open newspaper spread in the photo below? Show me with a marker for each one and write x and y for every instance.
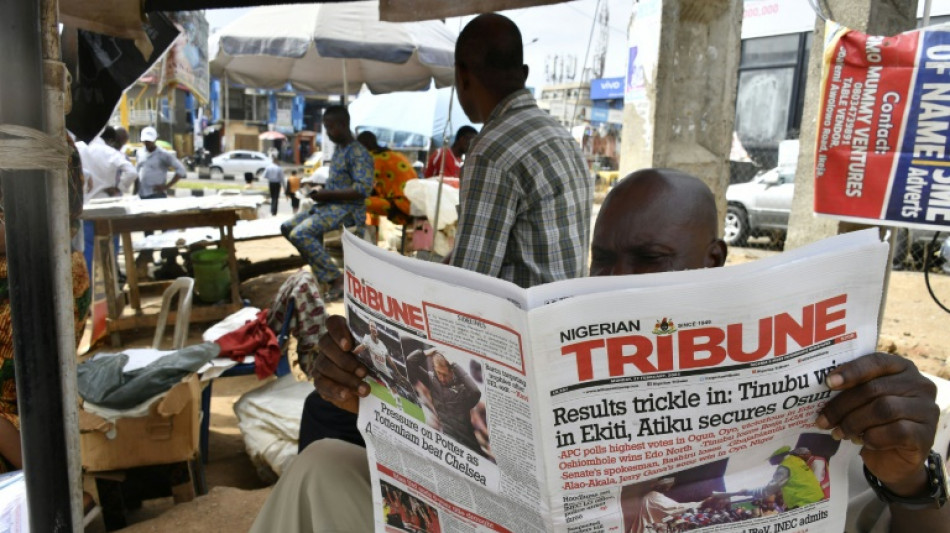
(651, 403)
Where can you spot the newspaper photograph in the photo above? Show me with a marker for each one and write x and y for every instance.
(651, 403)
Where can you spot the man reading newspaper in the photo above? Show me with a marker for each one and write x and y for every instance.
(653, 221)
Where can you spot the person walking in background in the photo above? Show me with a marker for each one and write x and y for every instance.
(291, 188)
(275, 180)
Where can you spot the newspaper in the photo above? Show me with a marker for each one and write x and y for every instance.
(880, 151)
(651, 403)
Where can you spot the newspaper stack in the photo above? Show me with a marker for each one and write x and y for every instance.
(661, 402)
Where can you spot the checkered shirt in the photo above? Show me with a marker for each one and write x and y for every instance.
(525, 198)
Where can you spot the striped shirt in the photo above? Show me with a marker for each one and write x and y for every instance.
(525, 198)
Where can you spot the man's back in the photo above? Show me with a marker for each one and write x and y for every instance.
(527, 177)
(108, 168)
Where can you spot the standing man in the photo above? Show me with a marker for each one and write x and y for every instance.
(109, 174)
(341, 201)
(153, 165)
(448, 161)
(525, 192)
(275, 180)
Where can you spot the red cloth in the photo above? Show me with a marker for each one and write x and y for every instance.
(253, 338)
(452, 166)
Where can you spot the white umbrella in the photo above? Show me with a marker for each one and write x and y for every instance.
(423, 113)
(332, 49)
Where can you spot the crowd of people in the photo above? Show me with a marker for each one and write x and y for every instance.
(524, 217)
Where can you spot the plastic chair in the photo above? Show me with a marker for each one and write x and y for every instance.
(184, 288)
(245, 369)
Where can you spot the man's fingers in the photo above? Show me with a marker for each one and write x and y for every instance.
(867, 368)
(897, 412)
(335, 394)
(345, 374)
(339, 331)
(905, 435)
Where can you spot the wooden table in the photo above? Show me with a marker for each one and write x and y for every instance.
(168, 214)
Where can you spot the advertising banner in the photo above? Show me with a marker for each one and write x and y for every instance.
(881, 153)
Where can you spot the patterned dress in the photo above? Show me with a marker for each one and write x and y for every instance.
(392, 171)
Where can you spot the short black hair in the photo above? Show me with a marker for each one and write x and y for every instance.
(465, 130)
(337, 111)
(108, 134)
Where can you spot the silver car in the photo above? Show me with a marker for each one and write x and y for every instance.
(760, 207)
(237, 163)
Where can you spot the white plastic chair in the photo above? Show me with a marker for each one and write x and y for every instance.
(184, 288)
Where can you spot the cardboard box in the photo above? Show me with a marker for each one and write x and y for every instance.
(168, 434)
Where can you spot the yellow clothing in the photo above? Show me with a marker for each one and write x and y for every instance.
(802, 487)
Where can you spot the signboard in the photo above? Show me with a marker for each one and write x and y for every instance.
(881, 152)
(761, 18)
(606, 89)
(643, 49)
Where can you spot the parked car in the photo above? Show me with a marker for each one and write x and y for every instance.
(760, 207)
(237, 162)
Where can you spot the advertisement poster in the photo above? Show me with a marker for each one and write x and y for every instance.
(881, 153)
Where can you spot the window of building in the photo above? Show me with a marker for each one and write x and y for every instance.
(771, 88)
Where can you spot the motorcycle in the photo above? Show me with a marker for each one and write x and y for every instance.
(201, 158)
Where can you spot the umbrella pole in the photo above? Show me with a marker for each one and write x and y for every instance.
(438, 198)
(35, 291)
(227, 112)
(346, 85)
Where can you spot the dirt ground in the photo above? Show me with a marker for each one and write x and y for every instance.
(913, 326)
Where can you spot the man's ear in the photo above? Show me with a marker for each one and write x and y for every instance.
(525, 69)
(715, 254)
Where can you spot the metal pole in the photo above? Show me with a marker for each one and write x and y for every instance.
(31, 278)
(227, 114)
(927, 13)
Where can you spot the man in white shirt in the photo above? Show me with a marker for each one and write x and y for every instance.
(382, 362)
(108, 174)
(275, 180)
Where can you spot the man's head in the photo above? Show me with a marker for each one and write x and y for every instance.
(121, 138)
(463, 139)
(442, 369)
(664, 484)
(801, 452)
(149, 136)
(373, 332)
(369, 141)
(336, 119)
(108, 136)
(488, 64)
(656, 220)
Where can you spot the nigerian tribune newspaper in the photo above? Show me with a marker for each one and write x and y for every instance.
(652, 403)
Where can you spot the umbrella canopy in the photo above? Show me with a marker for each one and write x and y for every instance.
(271, 136)
(316, 47)
(423, 113)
